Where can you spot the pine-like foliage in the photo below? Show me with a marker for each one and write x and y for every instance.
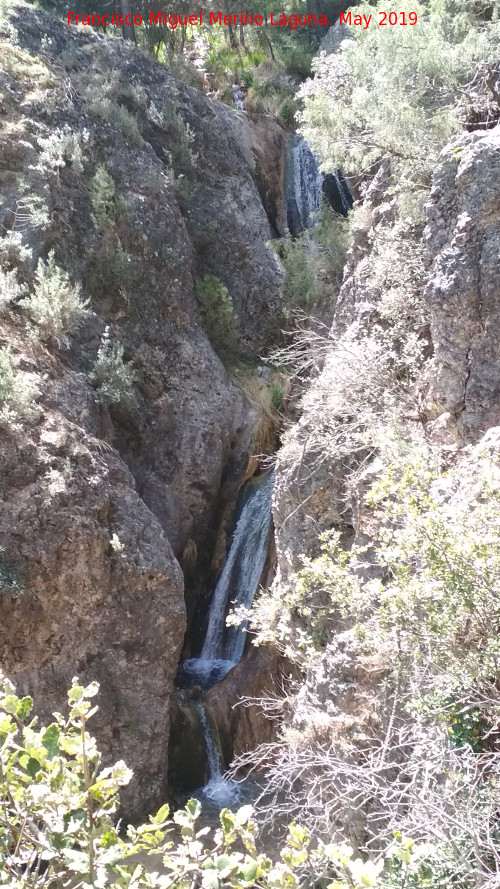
(394, 90)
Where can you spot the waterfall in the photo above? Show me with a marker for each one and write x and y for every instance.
(305, 184)
(241, 573)
(214, 758)
(303, 187)
(238, 94)
(223, 648)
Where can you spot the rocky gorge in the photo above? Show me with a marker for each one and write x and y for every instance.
(117, 514)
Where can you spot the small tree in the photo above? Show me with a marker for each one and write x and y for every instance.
(18, 392)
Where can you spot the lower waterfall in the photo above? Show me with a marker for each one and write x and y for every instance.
(223, 648)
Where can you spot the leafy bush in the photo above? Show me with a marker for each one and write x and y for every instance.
(55, 305)
(108, 273)
(426, 594)
(117, 115)
(59, 805)
(181, 140)
(18, 392)
(10, 289)
(63, 147)
(218, 314)
(12, 251)
(314, 262)
(115, 377)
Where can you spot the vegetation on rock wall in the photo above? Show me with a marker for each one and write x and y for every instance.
(399, 91)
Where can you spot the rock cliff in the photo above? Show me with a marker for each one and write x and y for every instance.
(462, 396)
(101, 500)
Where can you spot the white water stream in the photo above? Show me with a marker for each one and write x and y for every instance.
(223, 648)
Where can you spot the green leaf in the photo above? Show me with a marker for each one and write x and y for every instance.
(24, 708)
(32, 767)
(249, 871)
(193, 806)
(50, 740)
(161, 815)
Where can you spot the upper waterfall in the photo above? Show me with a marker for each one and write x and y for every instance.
(305, 184)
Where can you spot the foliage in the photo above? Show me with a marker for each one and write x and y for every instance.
(57, 827)
(218, 314)
(114, 376)
(18, 392)
(181, 141)
(10, 289)
(63, 147)
(55, 305)
(108, 273)
(118, 116)
(266, 392)
(426, 594)
(13, 253)
(313, 262)
(108, 206)
(391, 90)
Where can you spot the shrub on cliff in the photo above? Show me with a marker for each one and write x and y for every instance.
(404, 635)
(314, 262)
(218, 314)
(108, 206)
(55, 305)
(114, 376)
(18, 392)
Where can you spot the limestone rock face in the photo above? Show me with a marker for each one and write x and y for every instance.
(463, 292)
(100, 501)
(90, 588)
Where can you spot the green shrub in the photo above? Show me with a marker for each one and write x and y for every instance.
(62, 148)
(218, 314)
(181, 141)
(277, 396)
(108, 206)
(18, 392)
(108, 273)
(314, 261)
(117, 115)
(10, 289)
(55, 305)
(13, 253)
(114, 377)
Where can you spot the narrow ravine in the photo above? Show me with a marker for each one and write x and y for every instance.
(224, 647)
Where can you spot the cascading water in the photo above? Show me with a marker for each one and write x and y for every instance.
(223, 648)
(241, 573)
(305, 184)
(238, 94)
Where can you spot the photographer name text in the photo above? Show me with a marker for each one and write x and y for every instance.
(173, 21)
